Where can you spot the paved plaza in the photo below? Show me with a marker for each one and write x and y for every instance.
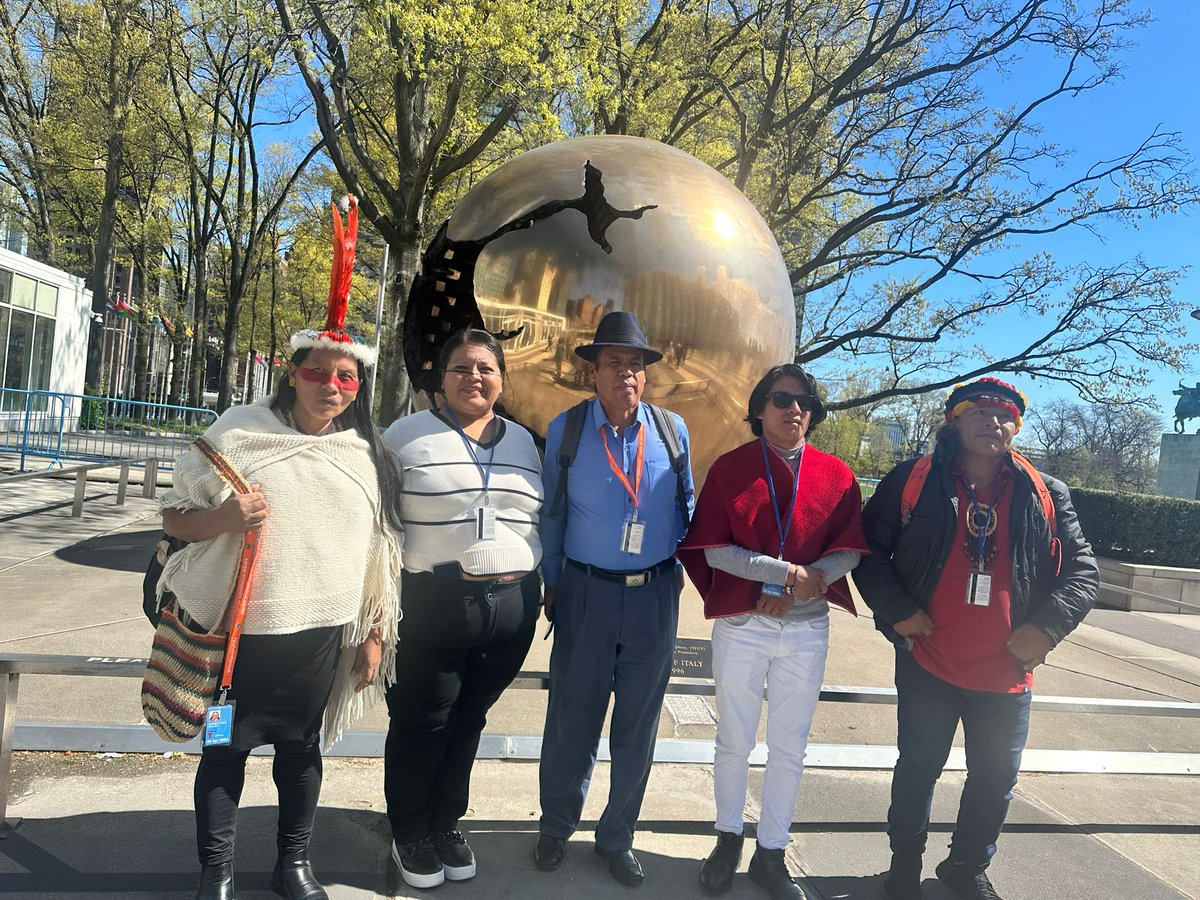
(119, 825)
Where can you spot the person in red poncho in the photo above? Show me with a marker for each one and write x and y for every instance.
(776, 525)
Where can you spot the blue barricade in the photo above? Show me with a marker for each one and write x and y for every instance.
(70, 427)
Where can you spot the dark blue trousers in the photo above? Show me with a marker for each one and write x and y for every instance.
(609, 640)
(995, 727)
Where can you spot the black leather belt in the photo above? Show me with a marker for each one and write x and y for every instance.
(629, 579)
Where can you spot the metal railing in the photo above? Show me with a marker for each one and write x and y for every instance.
(79, 427)
(139, 739)
(149, 483)
(1178, 604)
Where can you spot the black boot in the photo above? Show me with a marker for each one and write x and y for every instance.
(216, 882)
(293, 879)
(969, 882)
(769, 871)
(716, 875)
(903, 880)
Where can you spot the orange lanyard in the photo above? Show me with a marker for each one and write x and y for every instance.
(631, 489)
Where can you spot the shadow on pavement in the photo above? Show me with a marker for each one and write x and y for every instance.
(150, 854)
(124, 551)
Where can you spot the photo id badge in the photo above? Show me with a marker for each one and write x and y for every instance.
(485, 523)
(218, 725)
(979, 589)
(631, 537)
(773, 590)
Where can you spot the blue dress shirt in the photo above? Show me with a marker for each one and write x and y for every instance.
(598, 505)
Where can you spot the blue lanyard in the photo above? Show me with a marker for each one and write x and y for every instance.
(484, 473)
(780, 527)
(974, 512)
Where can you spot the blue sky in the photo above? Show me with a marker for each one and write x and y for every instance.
(1160, 89)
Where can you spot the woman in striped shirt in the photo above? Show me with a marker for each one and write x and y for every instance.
(470, 592)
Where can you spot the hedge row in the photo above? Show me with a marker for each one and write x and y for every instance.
(1140, 528)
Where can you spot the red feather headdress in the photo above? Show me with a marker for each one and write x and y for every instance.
(333, 335)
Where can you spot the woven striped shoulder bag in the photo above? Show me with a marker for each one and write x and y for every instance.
(185, 666)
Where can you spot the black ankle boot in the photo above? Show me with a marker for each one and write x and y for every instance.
(293, 879)
(716, 875)
(769, 871)
(902, 880)
(216, 882)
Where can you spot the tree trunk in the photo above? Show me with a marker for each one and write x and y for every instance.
(394, 385)
(199, 333)
(229, 353)
(175, 389)
(251, 372)
(102, 258)
(141, 353)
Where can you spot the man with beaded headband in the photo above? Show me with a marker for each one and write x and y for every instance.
(977, 569)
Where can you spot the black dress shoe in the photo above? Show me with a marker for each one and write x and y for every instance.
(716, 875)
(294, 880)
(623, 866)
(548, 852)
(216, 882)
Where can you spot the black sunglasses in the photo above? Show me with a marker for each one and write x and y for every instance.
(783, 400)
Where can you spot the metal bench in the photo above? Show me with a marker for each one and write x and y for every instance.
(149, 484)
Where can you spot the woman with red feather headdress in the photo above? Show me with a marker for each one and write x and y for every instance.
(319, 634)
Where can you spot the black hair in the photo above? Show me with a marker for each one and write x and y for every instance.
(476, 337)
(758, 396)
(356, 416)
(946, 445)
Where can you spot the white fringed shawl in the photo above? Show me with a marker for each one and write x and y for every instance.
(327, 557)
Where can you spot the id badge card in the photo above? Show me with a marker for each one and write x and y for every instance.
(218, 725)
(631, 537)
(485, 523)
(979, 589)
(773, 590)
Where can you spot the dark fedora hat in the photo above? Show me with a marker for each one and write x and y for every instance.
(618, 329)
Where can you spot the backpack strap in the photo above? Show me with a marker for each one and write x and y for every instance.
(665, 423)
(1043, 494)
(572, 430)
(920, 471)
(913, 486)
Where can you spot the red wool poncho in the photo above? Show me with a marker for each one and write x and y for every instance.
(735, 508)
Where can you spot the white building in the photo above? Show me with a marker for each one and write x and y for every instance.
(44, 318)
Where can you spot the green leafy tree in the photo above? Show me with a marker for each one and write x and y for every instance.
(27, 159)
(412, 100)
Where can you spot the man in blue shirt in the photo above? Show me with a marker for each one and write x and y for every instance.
(612, 590)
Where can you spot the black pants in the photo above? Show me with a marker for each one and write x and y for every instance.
(219, 780)
(461, 644)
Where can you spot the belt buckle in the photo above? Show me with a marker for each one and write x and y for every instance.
(635, 580)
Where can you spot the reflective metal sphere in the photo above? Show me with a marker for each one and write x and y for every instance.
(548, 246)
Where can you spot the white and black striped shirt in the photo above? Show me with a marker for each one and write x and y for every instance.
(443, 486)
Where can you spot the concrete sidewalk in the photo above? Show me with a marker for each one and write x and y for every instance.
(122, 828)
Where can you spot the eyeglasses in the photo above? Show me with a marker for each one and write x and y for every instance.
(464, 372)
(784, 400)
(343, 381)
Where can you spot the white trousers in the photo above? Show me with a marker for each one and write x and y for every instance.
(789, 658)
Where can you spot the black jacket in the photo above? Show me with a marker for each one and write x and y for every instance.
(899, 575)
